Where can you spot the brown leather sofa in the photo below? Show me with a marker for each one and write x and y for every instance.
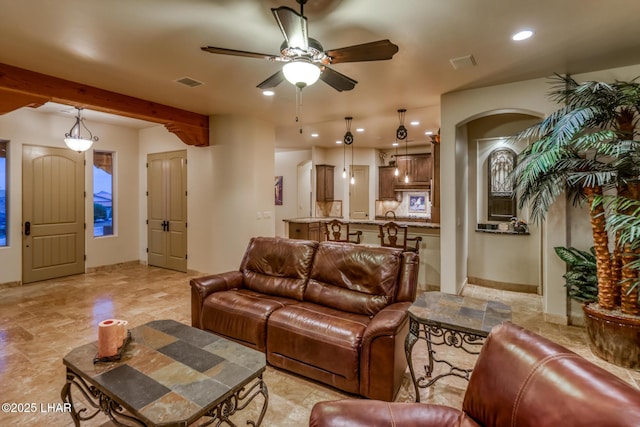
(520, 380)
(332, 312)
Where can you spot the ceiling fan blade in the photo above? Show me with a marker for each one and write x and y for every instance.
(272, 81)
(373, 51)
(336, 80)
(293, 27)
(223, 51)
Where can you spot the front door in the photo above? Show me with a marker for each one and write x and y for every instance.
(52, 213)
(359, 193)
(167, 210)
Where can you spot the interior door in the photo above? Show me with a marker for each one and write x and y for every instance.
(167, 210)
(52, 213)
(359, 193)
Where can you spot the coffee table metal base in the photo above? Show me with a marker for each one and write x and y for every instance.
(101, 402)
(437, 335)
(449, 320)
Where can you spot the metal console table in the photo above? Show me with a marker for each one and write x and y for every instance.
(451, 320)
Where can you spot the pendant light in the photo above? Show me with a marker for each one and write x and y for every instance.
(344, 161)
(74, 138)
(396, 172)
(401, 134)
(348, 140)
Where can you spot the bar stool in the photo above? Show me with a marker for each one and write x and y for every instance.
(338, 231)
(393, 235)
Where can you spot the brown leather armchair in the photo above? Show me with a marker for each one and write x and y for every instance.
(520, 380)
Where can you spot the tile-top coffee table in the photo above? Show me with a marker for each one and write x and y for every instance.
(170, 375)
(451, 320)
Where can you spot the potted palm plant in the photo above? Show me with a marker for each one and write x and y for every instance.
(586, 150)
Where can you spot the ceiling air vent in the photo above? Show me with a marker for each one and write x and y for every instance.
(188, 81)
(463, 62)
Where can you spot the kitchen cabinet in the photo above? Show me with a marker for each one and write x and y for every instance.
(386, 183)
(419, 169)
(324, 183)
(306, 231)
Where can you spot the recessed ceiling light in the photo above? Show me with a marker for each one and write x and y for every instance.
(360, 130)
(415, 123)
(338, 142)
(522, 35)
(314, 135)
(268, 93)
(395, 144)
(428, 132)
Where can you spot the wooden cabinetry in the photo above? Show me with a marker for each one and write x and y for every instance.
(305, 231)
(324, 183)
(386, 183)
(419, 169)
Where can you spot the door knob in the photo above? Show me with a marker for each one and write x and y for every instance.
(27, 228)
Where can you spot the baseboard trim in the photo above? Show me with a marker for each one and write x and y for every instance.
(504, 286)
(10, 285)
(112, 266)
(556, 319)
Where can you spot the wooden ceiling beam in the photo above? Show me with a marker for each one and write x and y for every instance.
(10, 101)
(20, 88)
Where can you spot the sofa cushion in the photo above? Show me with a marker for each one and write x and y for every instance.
(354, 278)
(241, 314)
(277, 266)
(319, 336)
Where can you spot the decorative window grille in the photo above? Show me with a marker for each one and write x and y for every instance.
(502, 201)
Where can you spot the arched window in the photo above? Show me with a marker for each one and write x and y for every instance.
(501, 199)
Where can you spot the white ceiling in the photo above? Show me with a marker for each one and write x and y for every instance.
(140, 47)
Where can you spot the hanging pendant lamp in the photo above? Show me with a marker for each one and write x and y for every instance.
(402, 134)
(74, 138)
(348, 140)
(396, 172)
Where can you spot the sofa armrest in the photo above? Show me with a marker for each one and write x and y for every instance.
(365, 413)
(388, 321)
(382, 357)
(201, 287)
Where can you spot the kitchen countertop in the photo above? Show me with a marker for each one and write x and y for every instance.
(401, 221)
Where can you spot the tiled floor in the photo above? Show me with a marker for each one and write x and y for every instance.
(40, 323)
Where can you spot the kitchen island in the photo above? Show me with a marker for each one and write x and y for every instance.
(312, 228)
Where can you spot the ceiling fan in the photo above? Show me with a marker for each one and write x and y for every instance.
(304, 57)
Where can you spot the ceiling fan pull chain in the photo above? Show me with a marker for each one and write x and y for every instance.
(299, 106)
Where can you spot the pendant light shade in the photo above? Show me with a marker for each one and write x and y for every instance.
(75, 139)
(402, 134)
(301, 72)
(348, 140)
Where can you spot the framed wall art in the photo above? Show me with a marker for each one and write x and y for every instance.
(278, 190)
(418, 202)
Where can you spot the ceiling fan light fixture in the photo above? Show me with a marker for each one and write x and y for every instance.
(74, 138)
(301, 72)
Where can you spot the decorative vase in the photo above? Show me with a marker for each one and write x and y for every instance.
(614, 338)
